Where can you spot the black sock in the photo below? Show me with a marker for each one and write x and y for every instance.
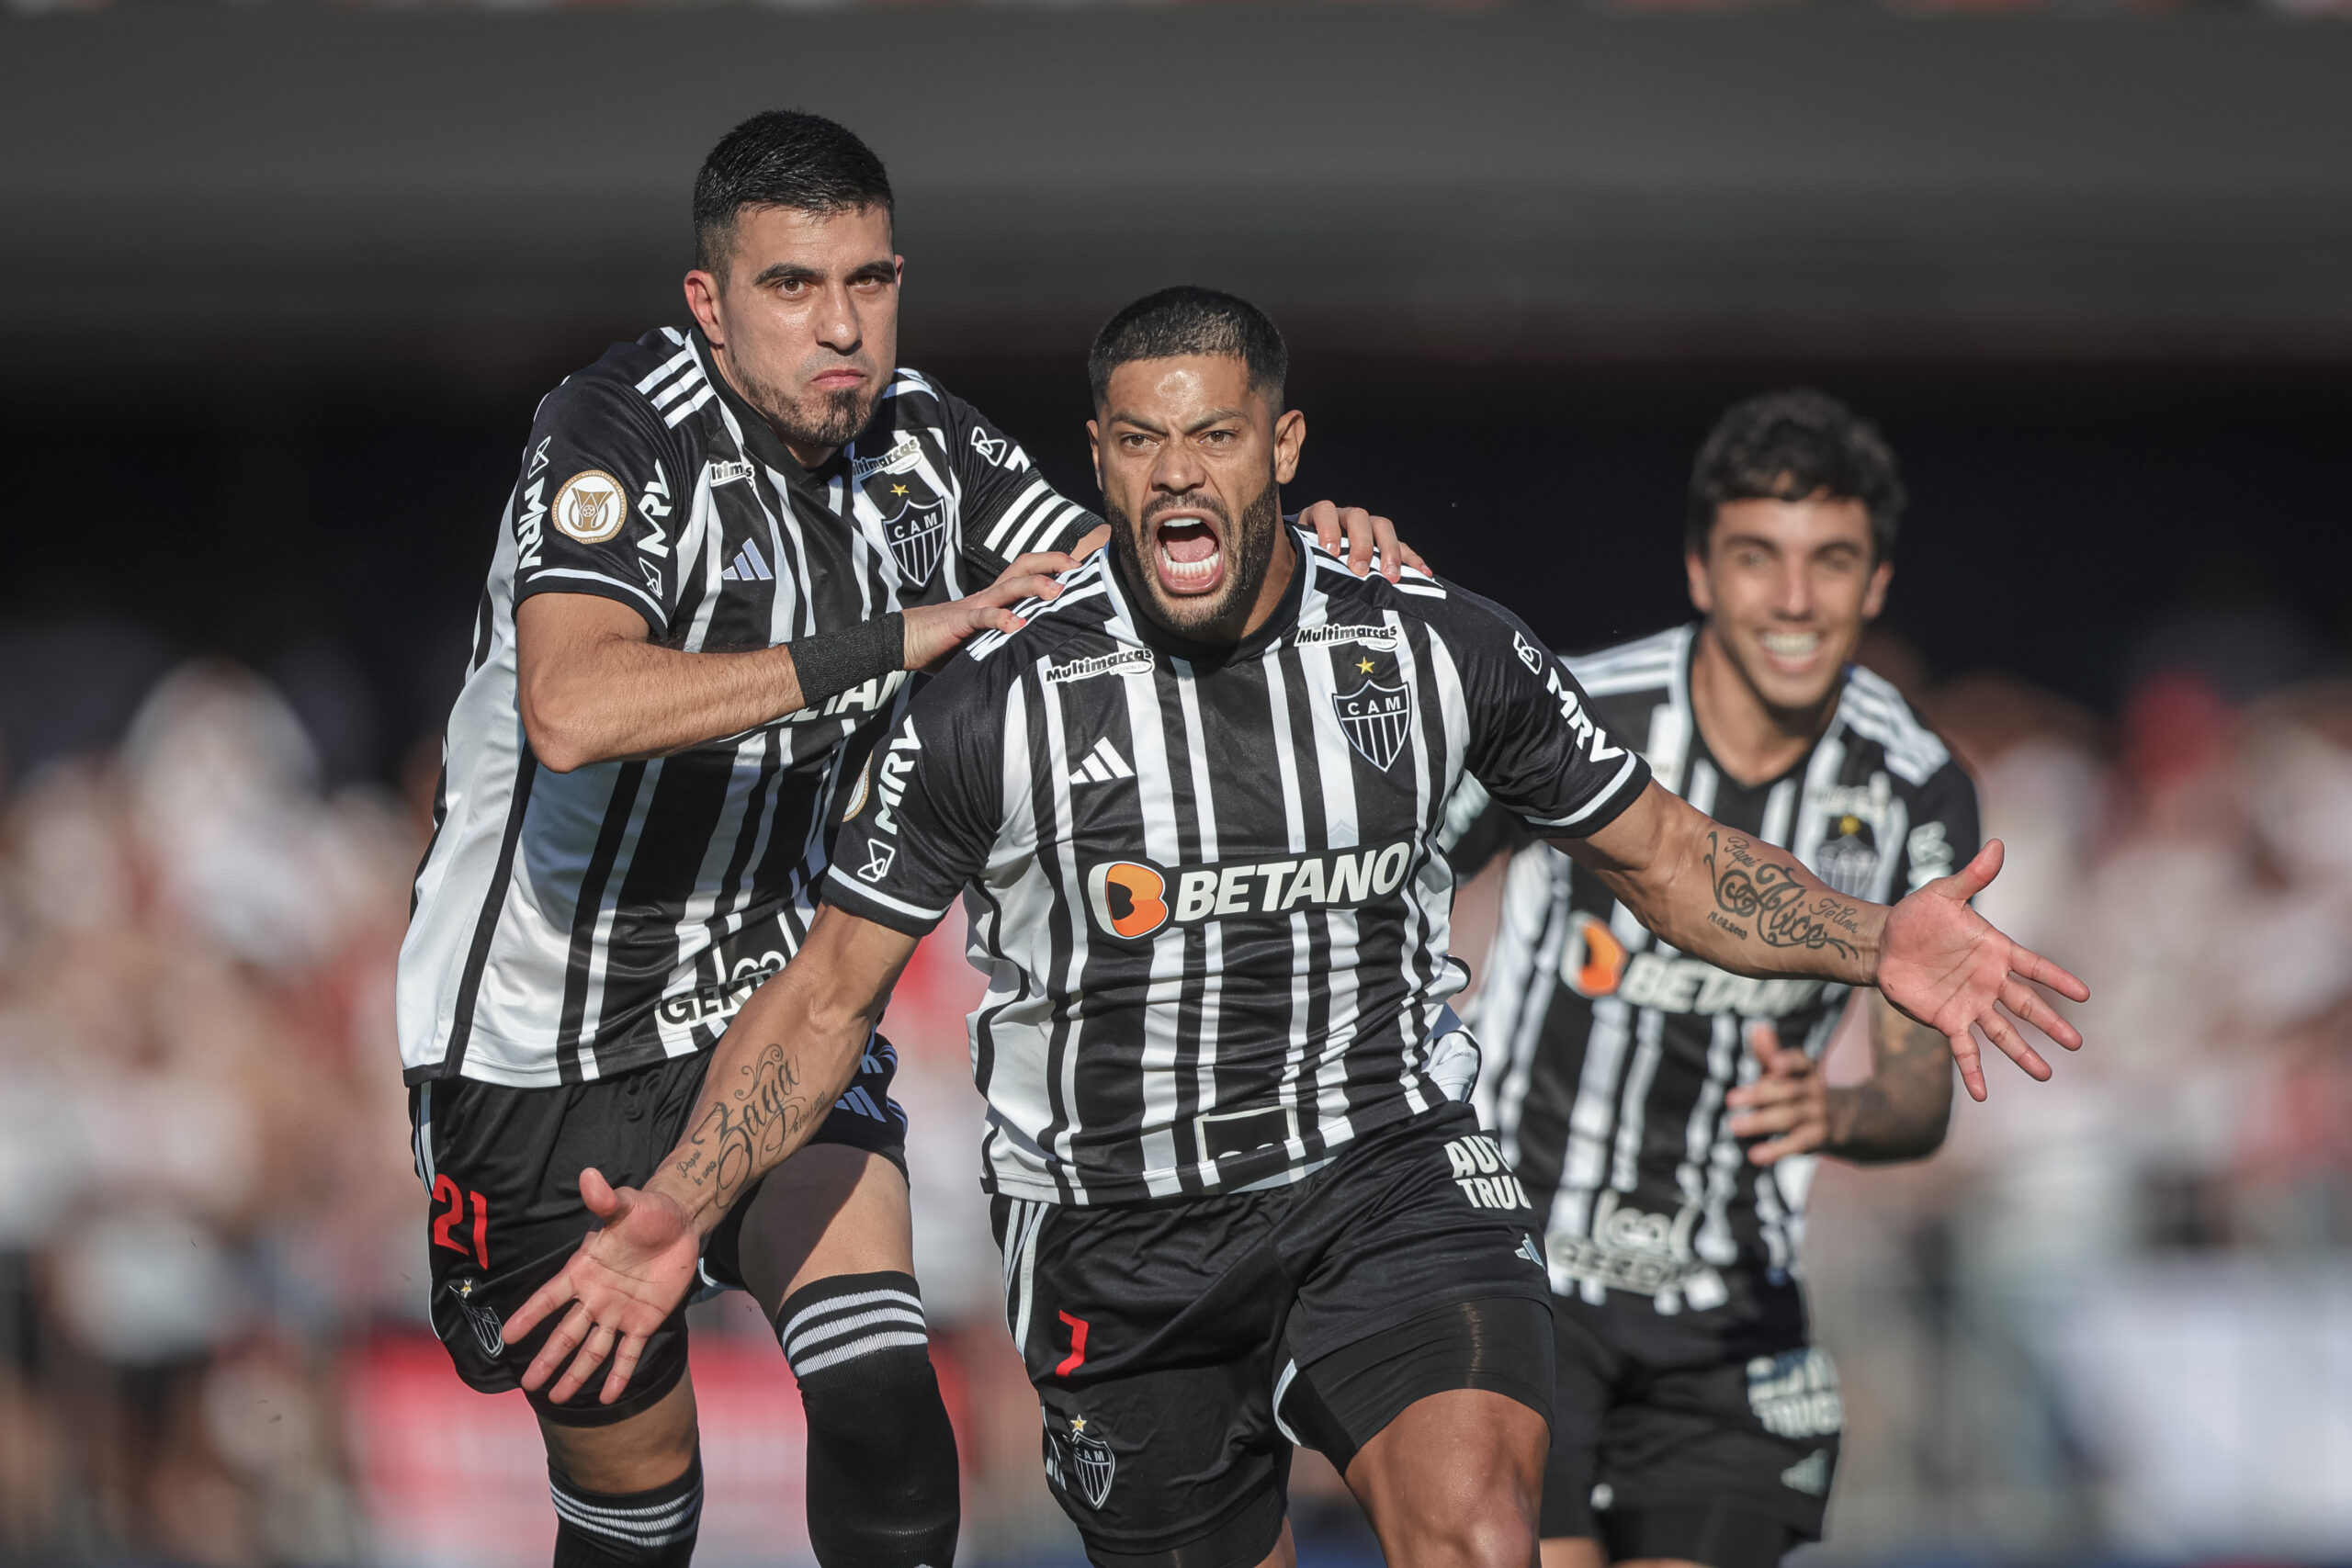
(882, 1484)
(635, 1530)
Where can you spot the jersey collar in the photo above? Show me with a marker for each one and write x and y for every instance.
(760, 439)
(1211, 655)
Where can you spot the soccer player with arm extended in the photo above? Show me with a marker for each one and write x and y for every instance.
(1193, 808)
(1664, 1113)
(727, 548)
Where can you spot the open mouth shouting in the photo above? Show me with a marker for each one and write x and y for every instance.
(1187, 549)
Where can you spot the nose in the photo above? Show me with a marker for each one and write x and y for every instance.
(1177, 468)
(838, 327)
(1793, 592)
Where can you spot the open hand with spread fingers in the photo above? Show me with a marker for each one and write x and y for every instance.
(622, 1284)
(1943, 965)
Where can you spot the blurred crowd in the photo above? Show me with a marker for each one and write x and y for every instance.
(2109, 1317)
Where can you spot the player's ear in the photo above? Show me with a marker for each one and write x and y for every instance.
(1290, 437)
(1094, 450)
(1875, 596)
(702, 299)
(1703, 595)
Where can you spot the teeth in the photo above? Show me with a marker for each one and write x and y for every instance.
(1789, 645)
(1189, 570)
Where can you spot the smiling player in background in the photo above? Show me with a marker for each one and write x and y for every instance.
(1665, 1114)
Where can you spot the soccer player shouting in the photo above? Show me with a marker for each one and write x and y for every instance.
(1192, 807)
(727, 546)
(1626, 1077)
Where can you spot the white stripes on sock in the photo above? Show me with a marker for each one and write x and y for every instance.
(653, 1526)
(843, 1329)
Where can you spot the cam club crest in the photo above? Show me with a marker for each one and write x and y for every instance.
(1087, 1462)
(1374, 717)
(916, 534)
(488, 1332)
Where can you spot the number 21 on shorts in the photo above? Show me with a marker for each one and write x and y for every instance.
(445, 1192)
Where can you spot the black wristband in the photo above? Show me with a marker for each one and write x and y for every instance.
(833, 662)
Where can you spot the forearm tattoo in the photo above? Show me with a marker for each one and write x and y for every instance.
(1902, 1109)
(1768, 896)
(748, 1128)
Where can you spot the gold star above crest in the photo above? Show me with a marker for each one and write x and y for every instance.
(1364, 665)
(898, 489)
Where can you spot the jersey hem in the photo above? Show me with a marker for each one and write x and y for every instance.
(551, 1077)
(1135, 1191)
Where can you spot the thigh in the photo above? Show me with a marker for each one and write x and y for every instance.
(649, 1449)
(1339, 1403)
(831, 1209)
(1450, 1472)
(1751, 1435)
(1148, 1335)
(501, 1166)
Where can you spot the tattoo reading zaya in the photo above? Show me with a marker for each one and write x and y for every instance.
(745, 1129)
(1785, 911)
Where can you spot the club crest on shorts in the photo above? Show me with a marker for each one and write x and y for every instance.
(488, 1332)
(916, 534)
(1086, 1461)
(1375, 718)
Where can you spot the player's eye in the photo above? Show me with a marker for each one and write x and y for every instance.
(1217, 438)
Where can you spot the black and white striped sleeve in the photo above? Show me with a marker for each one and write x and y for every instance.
(1008, 509)
(922, 817)
(1945, 831)
(598, 505)
(1535, 744)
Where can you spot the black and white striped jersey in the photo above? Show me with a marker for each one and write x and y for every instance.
(1203, 882)
(568, 926)
(1607, 1054)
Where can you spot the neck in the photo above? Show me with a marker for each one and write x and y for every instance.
(1751, 739)
(808, 457)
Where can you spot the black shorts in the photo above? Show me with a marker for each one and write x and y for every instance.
(1722, 1454)
(1181, 1348)
(504, 1164)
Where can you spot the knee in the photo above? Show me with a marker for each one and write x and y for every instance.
(1473, 1510)
(1486, 1524)
(882, 1481)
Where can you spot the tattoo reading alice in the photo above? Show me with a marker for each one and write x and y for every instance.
(1784, 912)
(747, 1128)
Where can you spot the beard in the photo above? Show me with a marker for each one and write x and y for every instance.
(1248, 546)
(817, 418)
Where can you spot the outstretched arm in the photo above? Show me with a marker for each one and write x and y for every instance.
(1752, 907)
(774, 1076)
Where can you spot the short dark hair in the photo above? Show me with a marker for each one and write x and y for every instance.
(1791, 444)
(1188, 320)
(782, 158)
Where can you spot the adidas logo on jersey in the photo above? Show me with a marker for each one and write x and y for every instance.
(748, 566)
(1103, 764)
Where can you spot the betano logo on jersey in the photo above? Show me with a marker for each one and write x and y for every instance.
(1134, 898)
(1594, 962)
